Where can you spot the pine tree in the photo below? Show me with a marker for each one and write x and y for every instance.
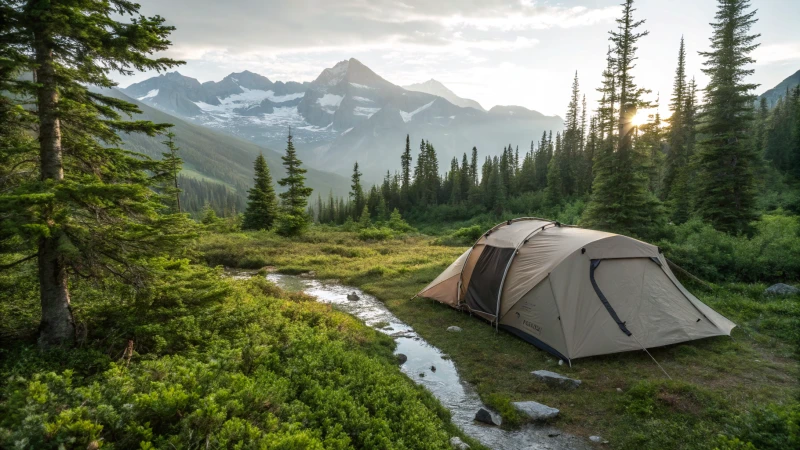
(405, 163)
(677, 158)
(356, 191)
(725, 159)
(172, 164)
(293, 219)
(621, 200)
(88, 199)
(262, 207)
(473, 166)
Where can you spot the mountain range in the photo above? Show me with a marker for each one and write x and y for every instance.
(347, 114)
(215, 156)
(779, 91)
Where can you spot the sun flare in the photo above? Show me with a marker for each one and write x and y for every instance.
(641, 117)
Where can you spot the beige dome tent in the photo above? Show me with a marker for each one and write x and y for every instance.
(574, 292)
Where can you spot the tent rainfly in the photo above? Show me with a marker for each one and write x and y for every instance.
(574, 292)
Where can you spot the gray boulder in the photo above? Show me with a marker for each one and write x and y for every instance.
(401, 358)
(781, 290)
(598, 440)
(353, 297)
(535, 410)
(483, 415)
(454, 329)
(458, 444)
(555, 379)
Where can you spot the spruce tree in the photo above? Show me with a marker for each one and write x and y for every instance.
(87, 199)
(405, 163)
(725, 158)
(172, 165)
(621, 200)
(293, 219)
(473, 166)
(677, 158)
(262, 207)
(356, 191)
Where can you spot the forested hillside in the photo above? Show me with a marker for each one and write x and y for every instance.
(213, 160)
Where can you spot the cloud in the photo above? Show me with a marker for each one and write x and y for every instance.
(320, 25)
(773, 53)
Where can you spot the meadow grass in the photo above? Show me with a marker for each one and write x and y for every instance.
(716, 383)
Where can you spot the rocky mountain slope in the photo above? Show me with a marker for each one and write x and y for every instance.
(349, 113)
(219, 157)
(779, 91)
(436, 88)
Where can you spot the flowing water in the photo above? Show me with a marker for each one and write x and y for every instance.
(445, 384)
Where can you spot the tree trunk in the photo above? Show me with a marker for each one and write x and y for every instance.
(57, 326)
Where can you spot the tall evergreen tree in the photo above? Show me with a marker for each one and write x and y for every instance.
(725, 158)
(621, 200)
(356, 192)
(293, 218)
(676, 158)
(172, 164)
(88, 199)
(473, 166)
(405, 164)
(262, 207)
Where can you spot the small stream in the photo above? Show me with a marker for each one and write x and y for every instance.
(444, 383)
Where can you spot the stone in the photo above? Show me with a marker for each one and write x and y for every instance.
(458, 444)
(598, 440)
(309, 274)
(454, 329)
(553, 434)
(353, 297)
(422, 374)
(401, 358)
(555, 379)
(433, 368)
(781, 289)
(483, 415)
(535, 410)
(619, 390)
(560, 362)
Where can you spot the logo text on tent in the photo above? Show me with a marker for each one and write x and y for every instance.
(532, 326)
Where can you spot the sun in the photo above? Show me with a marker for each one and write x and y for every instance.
(642, 117)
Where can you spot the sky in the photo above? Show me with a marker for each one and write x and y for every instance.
(519, 52)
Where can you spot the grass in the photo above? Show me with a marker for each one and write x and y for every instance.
(715, 382)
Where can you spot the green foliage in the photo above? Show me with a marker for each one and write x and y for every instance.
(364, 220)
(771, 254)
(225, 364)
(375, 234)
(293, 219)
(262, 207)
(726, 160)
(397, 223)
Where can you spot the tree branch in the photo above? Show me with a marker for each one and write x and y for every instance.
(8, 266)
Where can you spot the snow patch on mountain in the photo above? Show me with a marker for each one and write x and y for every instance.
(362, 99)
(330, 102)
(150, 94)
(362, 111)
(361, 86)
(407, 116)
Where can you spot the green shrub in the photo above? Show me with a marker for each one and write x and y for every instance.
(772, 254)
(215, 364)
(375, 234)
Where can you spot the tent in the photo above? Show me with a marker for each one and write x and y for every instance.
(574, 292)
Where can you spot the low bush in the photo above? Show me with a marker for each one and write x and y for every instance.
(215, 364)
(375, 234)
(771, 254)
